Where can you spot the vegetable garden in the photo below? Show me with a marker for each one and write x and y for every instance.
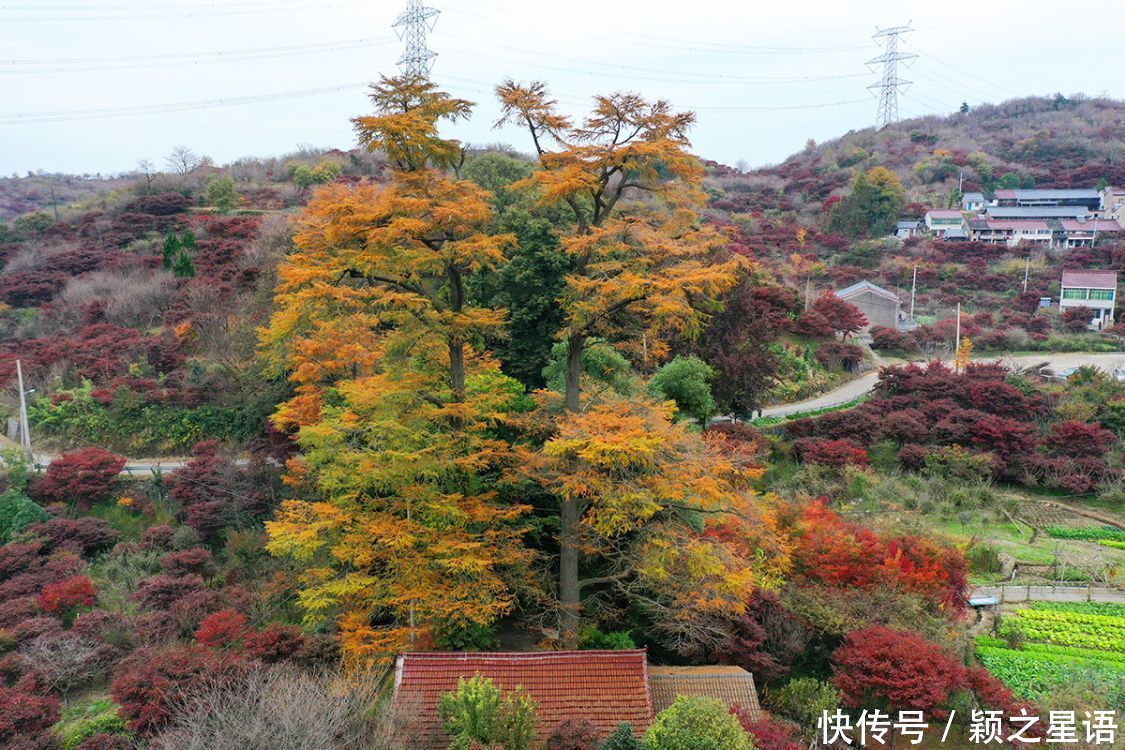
(1049, 645)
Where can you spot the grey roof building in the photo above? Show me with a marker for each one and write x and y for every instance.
(879, 305)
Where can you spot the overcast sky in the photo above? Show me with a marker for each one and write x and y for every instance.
(763, 76)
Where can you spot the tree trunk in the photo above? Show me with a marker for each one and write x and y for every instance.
(456, 344)
(570, 602)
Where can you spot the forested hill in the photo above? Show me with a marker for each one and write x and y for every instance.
(1031, 142)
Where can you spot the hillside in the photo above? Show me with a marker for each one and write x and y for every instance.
(444, 400)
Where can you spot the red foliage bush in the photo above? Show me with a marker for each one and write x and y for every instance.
(828, 549)
(103, 741)
(158, 592)
(842, 317)
(25, 714)
(274, 643)
(877, 667)
(29, 630)
(905, 426)
(890, 339)
(15, 611)
(839, 354)
(151, 683)
(196, 560)
(19, 558)
(1076, 439)
(768, 733)
(1076, 319)
(912, 457)
(84, 536)
(67, 596)
(813, 325)
(224, 628)
(573, 734)
(50, 570)
(157, 538)
(830, 452)
(216, 493)
(83, 478)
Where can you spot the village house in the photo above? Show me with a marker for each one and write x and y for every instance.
(882, 307)
(1113, 203)
(973, 202)
(1010, 231)
(941, 221)
(1096, 290)
(907, 229)
(606, 688)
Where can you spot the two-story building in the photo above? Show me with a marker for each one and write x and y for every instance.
(1010, 231)
(940, 221)
(1096, 290)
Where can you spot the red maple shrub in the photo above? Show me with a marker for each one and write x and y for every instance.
(216, 493)
(103, 741)
(84, 536)
(65, 597)
(221, 629)
(830, 452)
(1076, 439)
(889, 339)
(842, 317)
(893, 670)
(768, 733)
(274, 643)
(159, 591)
(150, 683)
(573, 734)
(834, 354)
(1076, 319)
(827, 549)
(196, 560)
(26, 714)
(81, 478)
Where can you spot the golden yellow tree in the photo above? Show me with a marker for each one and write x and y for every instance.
(641, 258)
(395, 413)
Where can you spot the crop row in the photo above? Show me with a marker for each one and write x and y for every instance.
(1094, 657)
(1112, 543)
(1085, 608)
(1090, 534)
(1079, 620)
(1034, 675)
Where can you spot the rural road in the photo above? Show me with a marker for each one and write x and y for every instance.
(847, 392)
(865, 383)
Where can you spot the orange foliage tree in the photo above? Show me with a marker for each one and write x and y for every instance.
(642, 264)
(395, 412)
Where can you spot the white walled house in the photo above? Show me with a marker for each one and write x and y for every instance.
(1096, 290)
(942, 220)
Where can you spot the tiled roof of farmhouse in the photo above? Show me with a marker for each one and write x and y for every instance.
(606, 687)
(1090, 279)
(734, 686)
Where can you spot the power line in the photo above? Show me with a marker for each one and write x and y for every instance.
(146, 109)
(213, 10)
(705, 78)
(890, 84)
(938, 60)
(23, 67)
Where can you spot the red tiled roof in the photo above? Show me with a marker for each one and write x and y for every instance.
(1005, 194)
(1090, 279)
(606, 687)
(944, 213)
(734, 686)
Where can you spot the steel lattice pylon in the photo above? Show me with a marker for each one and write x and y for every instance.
(412, 25)
(890, 84)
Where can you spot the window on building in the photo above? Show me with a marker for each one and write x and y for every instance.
(1074, 293)
(1101, 294)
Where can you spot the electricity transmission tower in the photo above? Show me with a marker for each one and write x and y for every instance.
(890, 84)
(411, 26)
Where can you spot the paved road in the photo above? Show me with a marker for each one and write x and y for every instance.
(865, 383)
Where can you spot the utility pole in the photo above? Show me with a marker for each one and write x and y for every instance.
(1094, 237)
(412, 25)
(889, 83)
(25, 431)
(957, 342)
(913, 289)
(1026, 271)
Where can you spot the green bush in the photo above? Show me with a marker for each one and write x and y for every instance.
(478, 713)
(697, 723)
(17, 511)
(621, 738)
(590, 637)
(7, 642)
(687, 381)
(803, 700)
(1097, 534)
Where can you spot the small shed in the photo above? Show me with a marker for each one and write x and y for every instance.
(881, 307)
(734, 686)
